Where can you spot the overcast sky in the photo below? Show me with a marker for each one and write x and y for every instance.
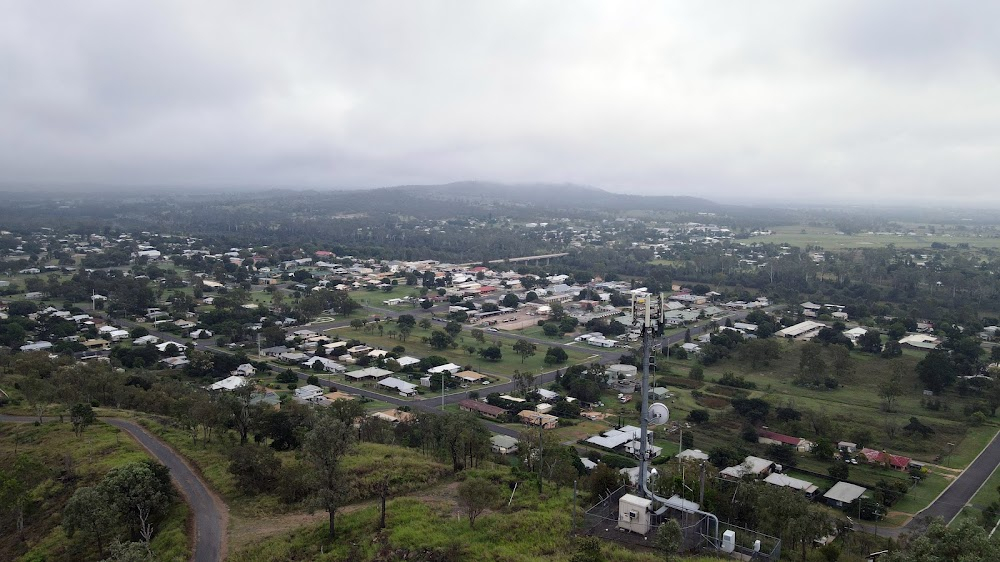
(721, 99)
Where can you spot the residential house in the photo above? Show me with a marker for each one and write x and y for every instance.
(843, 494)
(404, 388)
(175, 362)
(503, 444)
(162, 347)
(751, 466)
(229, 383)
(245, 370)
(328, 365)
(369, 373)
(895, 462)
(781, 480)
(693, 454)
(449, 368)
(469, 376)
(482, 408)
(275, 351)
(772, 438)
(531, 417)
(308, 392)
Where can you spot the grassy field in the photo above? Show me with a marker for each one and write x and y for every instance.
(855, 407)
(530, 529)
(369, 463)
(414, 346)
(100, 449)
(538, 332)
(827, 238)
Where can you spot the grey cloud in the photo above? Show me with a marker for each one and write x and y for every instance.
(726, 99)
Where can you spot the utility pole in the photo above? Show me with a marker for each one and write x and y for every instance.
(540, 452)
(701, 494)
(573, 519)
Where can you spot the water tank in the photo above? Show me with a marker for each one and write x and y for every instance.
(756, 545)
(623, 371)
(729, 541)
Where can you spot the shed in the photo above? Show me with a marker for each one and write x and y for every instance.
(633, 514)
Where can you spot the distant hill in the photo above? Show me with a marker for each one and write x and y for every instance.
(552, 197)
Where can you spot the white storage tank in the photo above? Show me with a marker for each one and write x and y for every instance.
(620, 371)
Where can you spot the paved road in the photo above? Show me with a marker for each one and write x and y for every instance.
(211, 517)
(960, 492)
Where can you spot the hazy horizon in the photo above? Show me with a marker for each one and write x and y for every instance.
(826, 102)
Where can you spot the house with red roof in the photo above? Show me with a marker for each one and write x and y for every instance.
(767, 437)
(895, 462)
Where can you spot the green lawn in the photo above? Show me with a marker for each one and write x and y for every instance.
(856, 407)
(414, 346)
(538, 332)
(826, 237)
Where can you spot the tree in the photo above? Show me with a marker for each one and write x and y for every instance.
(510, 300)
(962, 541)
(698, 416)
(753, 409)
(870, 342)
(840, 358)
(475, 495)
(453, 329)
(839, 471)
(936, 371)
(669, 538)
(81, 415)
(491, 353)
(478, 335)
(244, 413)
(892, 349)
(889, 390)
(16, 485)
(811, 364)
(759, 353)
(255, 468)
(138, 492)
(524, 348)
(916, 426)
(440, 340)
(88, 511)
(603, 479)
(37, 393)
(522, 382)
(324, 448)
(555, 356)
(697, 373)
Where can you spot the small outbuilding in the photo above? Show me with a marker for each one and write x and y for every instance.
(634, 514)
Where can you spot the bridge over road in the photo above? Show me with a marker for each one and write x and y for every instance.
(523, 259)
